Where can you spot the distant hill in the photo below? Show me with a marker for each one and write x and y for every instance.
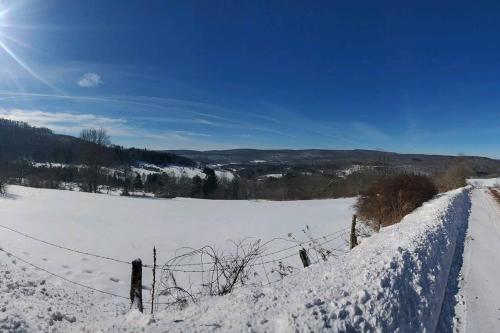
(337, 159)
(19, 140)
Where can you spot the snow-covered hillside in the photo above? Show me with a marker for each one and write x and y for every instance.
(393, 281)
(148, 169)
(180, 171)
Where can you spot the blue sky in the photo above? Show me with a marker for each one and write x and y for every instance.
(391, 75)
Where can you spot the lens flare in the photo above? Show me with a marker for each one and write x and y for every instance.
(7, 30)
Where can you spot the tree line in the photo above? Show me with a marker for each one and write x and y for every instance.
(20, 141)
(92, 162)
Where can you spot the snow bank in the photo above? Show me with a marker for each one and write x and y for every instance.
(484, 182)
(30, 304)
(393, 282)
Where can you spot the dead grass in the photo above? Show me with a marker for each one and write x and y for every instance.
(495, 193)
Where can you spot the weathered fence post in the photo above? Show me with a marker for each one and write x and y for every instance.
(136, 285)
(154, 280)
(304, 257)
(354, 238)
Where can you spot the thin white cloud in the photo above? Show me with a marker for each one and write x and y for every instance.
(62, 121)
(89, 80)
(73, 123)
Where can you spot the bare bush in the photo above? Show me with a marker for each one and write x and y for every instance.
(220, 272)
(391, 198)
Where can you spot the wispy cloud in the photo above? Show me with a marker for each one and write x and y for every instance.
(187, 124)
(119, 128)
(89, 80)
(169, 110)
(62, 121)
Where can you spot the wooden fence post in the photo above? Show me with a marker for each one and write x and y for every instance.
(154, 280)
(136, 285)
(354, 238)
(304, 257)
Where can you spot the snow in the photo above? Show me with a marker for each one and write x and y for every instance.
(398, 280)
(50, 165)
(274, 175)
(484, 183)
(477, 300)
(28, 303)
(148, 169)
(352, 169)
(128, 228)
(393, 282)
(179, 171)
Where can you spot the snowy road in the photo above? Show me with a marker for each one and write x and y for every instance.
(478, 298)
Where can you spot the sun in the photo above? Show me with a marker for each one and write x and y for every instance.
(3, 13)
(8, 38)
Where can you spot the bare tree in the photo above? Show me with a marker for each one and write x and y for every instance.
(3, 186)
(98, 136)
(95, 155)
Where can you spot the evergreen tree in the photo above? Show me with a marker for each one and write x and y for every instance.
(138, 182)
(210, 182)
(197, 188)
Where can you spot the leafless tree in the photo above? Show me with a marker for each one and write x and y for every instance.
(94, 156)
(3, 186)
(98, 136)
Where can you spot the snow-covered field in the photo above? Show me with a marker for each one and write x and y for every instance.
(128, 228)
(395, 280)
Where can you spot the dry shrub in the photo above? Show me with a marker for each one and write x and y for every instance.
(387, 201)
(495, 193)
(219, 272)
(454, 177)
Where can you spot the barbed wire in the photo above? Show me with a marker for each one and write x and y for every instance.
(167, 267)
(178, 270)
(64, 247)
(62, 277)
(265, 255)
(307, 241)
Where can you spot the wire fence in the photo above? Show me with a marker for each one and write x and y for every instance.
(63, 247)
(10, 254)
(121, 261)
(261, 260)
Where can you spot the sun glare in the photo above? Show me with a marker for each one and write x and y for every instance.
(8, 38)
